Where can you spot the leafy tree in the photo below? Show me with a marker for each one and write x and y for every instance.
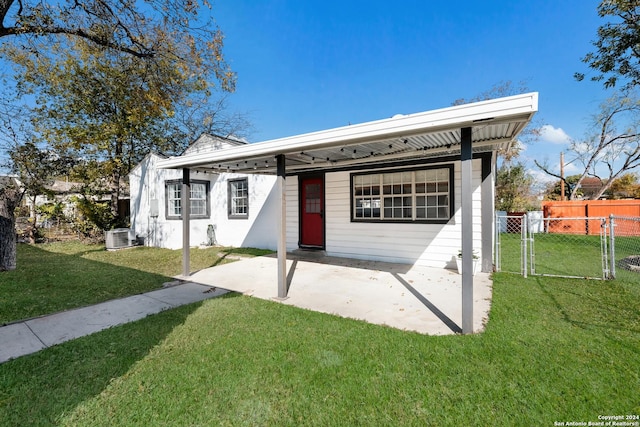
(554, 191)
(613, 144)
(617, 51)
(136, 28)
(160, 34)
(105, 108)
(625, 187)
(514, 189)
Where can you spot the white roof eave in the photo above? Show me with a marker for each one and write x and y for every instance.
(516, 108)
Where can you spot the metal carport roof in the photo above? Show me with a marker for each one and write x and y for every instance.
(465, 129)
(495, 124)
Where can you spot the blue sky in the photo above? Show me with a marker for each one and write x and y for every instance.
(308, 65)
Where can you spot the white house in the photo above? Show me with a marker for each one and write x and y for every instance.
(228, 209)
(414, 189)
(406, 212)
(396, 198)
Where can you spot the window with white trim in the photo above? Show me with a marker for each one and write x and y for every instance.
(198, 199)
(238, 198)
(417, 195)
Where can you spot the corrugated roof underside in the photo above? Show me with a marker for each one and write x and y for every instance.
(487, 137)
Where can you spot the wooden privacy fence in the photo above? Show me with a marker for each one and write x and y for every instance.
(587, 209)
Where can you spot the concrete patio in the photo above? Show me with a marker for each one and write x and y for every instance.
(425, 300)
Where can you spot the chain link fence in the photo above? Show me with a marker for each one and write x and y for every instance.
(580, 247)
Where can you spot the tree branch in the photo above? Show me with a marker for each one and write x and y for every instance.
(100, 41)
(548, 172)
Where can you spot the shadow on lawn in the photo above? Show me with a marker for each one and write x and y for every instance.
(44, 387)
(582, 305)
(47, 282)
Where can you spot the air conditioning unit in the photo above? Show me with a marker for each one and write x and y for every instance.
(117, 238)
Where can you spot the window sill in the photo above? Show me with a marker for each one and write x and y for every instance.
(401, 221)
(238, 217)
(176, 218)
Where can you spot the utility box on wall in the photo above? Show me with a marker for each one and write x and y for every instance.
(154, 210)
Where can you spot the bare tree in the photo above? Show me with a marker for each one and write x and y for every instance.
(613, 145)
(502, 89)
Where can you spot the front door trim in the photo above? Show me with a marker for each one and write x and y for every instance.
(301, 179)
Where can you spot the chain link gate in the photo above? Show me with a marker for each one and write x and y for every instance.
(560, 247)
(511, 244)
(625, 247)
(569, 247)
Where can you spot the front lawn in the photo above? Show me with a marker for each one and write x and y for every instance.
(555, 350)
(60, 276)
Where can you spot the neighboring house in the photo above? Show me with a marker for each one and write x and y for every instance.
(65, 193)
(391, 190)
(229, 209)
(61, 192)
(590, 186)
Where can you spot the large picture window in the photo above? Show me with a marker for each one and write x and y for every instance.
(198, 199)
(238, 198)
(417, 195)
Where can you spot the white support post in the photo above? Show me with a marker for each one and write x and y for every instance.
(467, 230)
(282, 235)
(487, 213)
(185, 208)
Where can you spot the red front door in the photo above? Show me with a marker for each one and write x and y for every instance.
(312, 212)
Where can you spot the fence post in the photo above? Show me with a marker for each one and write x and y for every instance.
(496, 251)
(523, 232)
(606, 272)
(612, 247)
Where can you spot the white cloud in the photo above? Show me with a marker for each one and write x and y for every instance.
(571, 169)
(523, 146)
(541, 178)
(554, 135)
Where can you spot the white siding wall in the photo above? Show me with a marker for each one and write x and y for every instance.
(259, 229)
(147, 183)
(432, 245)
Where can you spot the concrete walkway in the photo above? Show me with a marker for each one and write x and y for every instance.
(29, 336)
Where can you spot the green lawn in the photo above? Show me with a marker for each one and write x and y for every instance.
(554, 350)
(570, 255)
(510, 251)
(627, 248)
(60, 276)
(555, 254)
